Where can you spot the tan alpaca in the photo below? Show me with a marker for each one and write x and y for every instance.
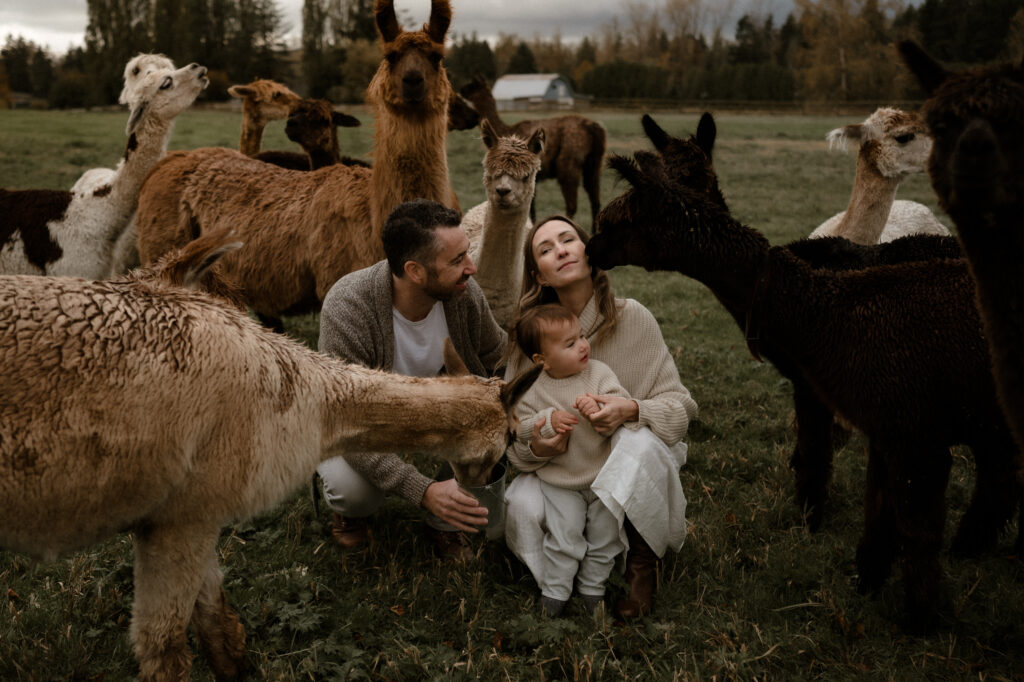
(139, 405)
(893, 145)
(497, 227)
(263, 101)
(303, 231)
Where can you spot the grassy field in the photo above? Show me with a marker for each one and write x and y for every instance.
(752, 595)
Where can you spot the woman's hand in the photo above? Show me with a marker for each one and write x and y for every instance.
(549, 447)
(615, 411)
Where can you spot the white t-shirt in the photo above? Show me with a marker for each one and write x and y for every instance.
(419, 346)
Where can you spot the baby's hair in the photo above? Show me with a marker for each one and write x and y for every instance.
(531, 324)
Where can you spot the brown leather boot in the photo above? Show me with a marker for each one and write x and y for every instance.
(641, 567)
(349, 533)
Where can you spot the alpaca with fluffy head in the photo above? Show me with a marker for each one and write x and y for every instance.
(313, 125)
(50, 232)
(303, 231)
(892, 145)
(263, 101)
(497, 227)
(140, 405)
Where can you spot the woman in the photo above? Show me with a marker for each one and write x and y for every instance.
(640, 482)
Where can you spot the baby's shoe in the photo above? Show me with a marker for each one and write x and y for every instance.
(551, 607)
(592, 601)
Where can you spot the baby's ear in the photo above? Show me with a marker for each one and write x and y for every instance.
(538, 357)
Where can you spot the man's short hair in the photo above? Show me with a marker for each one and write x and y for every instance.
(409, 232)
(529, 329)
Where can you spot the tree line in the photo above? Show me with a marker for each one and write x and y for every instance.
(677, 50)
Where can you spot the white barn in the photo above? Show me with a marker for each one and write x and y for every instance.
(532, 91)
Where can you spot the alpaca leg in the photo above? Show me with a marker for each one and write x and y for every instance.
(592, 185)
(169, 564)
(220, 633)
(995, 497)
(878, 545)
(569, 182)
(920, 520)
(812, 456)
(275, 324)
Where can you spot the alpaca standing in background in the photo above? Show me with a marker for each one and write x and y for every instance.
(893, 144)
(263, 101)
(303, 231)
(573, 149)
(977, 169)
(139, 405)
(50, 232)
(497, 227)
(313, 125)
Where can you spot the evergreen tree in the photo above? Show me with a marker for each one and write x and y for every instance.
(522, 60)
(17, 56)
(469, 57)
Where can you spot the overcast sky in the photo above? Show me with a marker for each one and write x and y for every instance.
(58, 24)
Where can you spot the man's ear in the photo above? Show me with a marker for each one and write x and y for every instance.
(415, 272)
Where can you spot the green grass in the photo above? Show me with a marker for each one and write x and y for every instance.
(751, 595)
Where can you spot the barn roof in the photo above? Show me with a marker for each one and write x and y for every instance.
(518, 85)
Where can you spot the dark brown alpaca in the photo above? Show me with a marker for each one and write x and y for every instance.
(977, 169)
(574, 149)
(313, 125)
(913, 375)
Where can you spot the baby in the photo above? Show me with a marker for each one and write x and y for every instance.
(582, 538)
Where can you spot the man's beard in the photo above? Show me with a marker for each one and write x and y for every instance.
(437, 291)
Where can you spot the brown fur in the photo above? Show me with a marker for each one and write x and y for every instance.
(139, 405)
(28, 211)
(574, 146)
(313, 125)
(977, 169)
(263, 101)
(303, 231)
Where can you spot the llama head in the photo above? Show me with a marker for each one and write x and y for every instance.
(976, 119)
(313, 124)
(411, 80)
(137, 68)
(162, 95)
(894, 142)
(264, 100)
(510, 167)
(461, 113)
(673, 198)
(478, 92)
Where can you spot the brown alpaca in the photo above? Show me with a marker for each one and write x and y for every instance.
(977, 169)
(313, 125)
(303, 231)
(138, 405)
(263, 101)
(573, 150)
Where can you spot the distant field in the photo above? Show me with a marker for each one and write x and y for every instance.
(752, 595)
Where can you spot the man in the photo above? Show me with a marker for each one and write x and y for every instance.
(394, 316)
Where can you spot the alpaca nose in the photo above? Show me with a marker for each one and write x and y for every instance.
(412, 79)
(503, 191)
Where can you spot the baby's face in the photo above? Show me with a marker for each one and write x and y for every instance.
(565, 350)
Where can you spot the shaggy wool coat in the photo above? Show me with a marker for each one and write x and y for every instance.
(356, 325)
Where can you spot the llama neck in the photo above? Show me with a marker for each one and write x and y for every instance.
(319, 157)
(410, 162)
(870, 203)
(252, 133)
(501, 255)
(488, 110)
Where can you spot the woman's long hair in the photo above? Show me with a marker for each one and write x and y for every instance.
(533, 294)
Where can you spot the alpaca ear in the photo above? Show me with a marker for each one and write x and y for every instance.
(240, 91)
(655, 133)
(453, 363)
(514, 390)
(706, 133)
(344, 120)
(627, 169)
(440, 20)
(536, 142)
(930, 74)
(489, 136)
(840, 137)
(387, 22)
(136, 116)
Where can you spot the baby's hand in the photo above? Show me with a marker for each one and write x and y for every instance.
(562, 421)
(586, 405)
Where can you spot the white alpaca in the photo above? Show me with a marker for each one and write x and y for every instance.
(73, 233)
(497, 227)
(893, 145)
(139, 405)
(137, 68)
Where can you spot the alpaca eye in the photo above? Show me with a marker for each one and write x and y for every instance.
(434, 58)
(392, 58)
(168, 82)
(135, 71)
(903, 139)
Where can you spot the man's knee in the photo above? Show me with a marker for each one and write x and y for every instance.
(346, 492)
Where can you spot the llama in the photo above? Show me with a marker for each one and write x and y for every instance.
(303, 231)
(263, 101)
(140, 405)
(913, 376)
(50, 232)
(313, 125)
(497, 227)
(137, 68)
(893, 144)
(977, 170)
(573, 150)
(461, 113)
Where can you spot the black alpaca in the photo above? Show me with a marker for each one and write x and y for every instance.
(896, 349)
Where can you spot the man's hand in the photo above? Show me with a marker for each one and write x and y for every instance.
(549, 447)
(450, 503)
